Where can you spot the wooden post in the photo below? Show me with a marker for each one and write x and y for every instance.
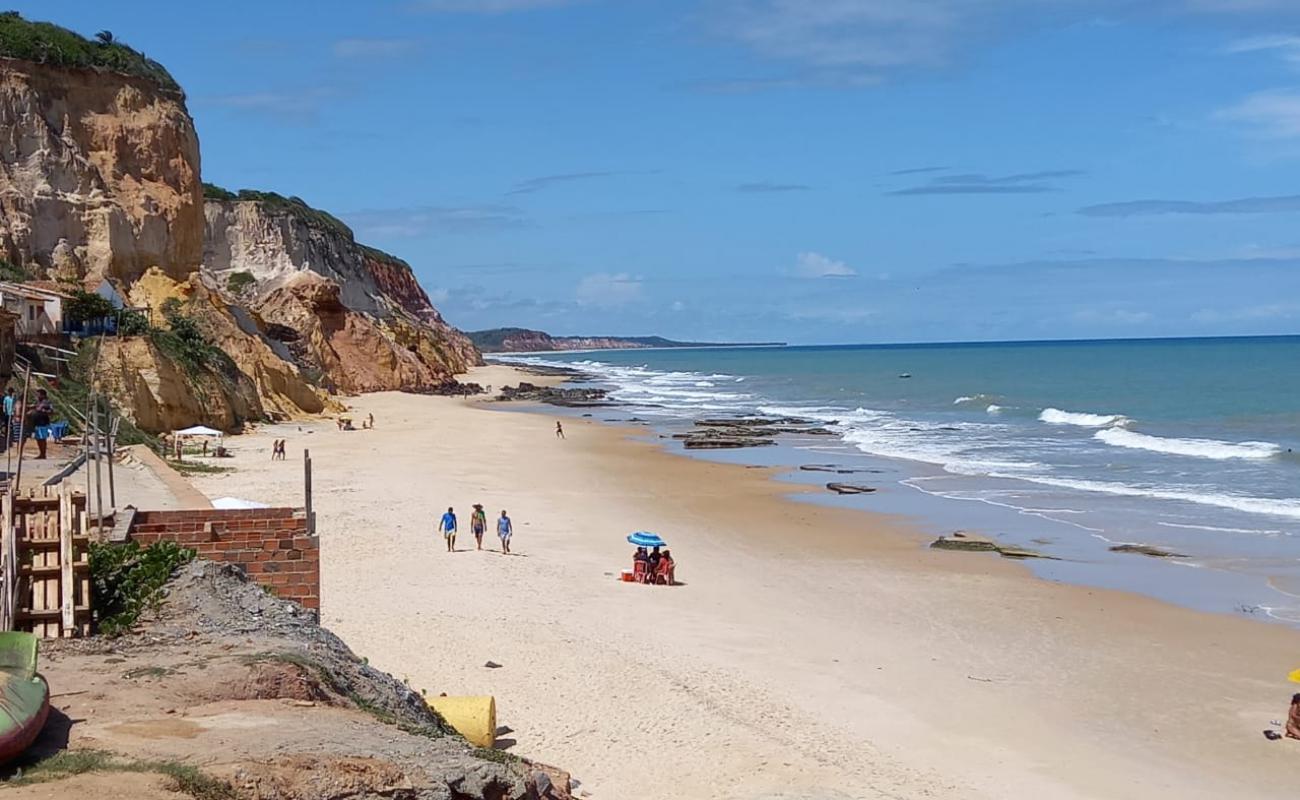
(22, 432)
(9, 545)
(99, 475)
(311, 515)
(112, 435)
(67, 585)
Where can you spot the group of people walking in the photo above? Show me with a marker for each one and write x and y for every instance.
(478, 526)
(22, 423)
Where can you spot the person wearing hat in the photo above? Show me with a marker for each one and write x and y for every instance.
(478, 524)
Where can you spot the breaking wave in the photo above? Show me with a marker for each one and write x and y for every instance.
(1198, 448)
(1055, 416)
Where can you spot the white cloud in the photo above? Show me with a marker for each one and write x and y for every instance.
(678, 305)
(816, 265)
(608, 290)
(1286, 45)
(1273, 114)
(489, 6)
(1114, 316)
(1258, 313)
(406, 222)
(439, 296)
(372, 48)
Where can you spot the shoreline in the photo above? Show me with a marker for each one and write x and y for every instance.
(1248, 578)
(810, 646)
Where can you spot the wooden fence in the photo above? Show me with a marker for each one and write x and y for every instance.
(44, 563)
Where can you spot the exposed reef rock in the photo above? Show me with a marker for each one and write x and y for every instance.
(555, 395)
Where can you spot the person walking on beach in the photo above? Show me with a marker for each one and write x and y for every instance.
(8, 411)
(478, 525)
(559, 430)
(504, 531)
(40, 424)
(448, 528)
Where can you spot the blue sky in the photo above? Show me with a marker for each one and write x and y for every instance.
(802, 170)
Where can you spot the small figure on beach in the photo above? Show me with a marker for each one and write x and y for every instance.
(504, 530)
(9, 401)
(448, 528)
(40, 421)
(559, 430)
(370, 418)
(478, 525)
(278, 450)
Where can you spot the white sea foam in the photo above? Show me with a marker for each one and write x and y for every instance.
(963, 399)
(1198, 448)
(1055, 416)
(1278, 507)
(1218, 529)
(993, 409)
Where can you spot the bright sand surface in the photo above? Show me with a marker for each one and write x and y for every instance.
(813, 653)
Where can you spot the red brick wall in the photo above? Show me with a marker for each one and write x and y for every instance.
(271, 544)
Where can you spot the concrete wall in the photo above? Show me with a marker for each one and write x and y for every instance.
(271, 544)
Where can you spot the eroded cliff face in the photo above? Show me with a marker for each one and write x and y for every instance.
(354, 316)
(99, 174)
(268, 383)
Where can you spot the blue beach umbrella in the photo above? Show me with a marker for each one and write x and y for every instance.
(645, 539)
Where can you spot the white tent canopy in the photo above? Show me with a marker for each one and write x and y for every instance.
(236, 502)
(200, 430)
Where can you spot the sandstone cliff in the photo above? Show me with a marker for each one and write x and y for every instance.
(99, 174)
(352, 315)
(99, 178)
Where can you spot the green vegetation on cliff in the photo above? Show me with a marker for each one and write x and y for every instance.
(274, 202)
(299, 208)
(46, 43)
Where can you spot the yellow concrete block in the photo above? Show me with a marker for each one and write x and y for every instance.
(475, 718)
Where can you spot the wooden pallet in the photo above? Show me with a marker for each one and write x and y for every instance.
(45, 559)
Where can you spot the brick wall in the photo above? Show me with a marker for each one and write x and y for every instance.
(271, 544)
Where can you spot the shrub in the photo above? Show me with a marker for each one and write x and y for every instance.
(237, 282)
(45, 43)
(211, 191)
(133, 323)
(127, 580)
(84, 306)
(12, 272)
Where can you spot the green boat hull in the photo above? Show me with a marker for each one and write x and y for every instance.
(24, 695)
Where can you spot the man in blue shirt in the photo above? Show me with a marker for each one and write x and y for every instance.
(8, 410)
(504, 530)
(448, 528)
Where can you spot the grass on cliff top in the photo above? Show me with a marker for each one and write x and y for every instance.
(274, 202)
(181, 778)
(46, 43)
(300, 209)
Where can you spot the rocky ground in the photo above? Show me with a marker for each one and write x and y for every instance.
(229, 693)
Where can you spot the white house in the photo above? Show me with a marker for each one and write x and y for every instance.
(39, 310)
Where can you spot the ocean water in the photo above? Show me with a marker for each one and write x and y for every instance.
(1067, 447)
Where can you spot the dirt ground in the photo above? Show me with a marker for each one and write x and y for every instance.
(250, 694)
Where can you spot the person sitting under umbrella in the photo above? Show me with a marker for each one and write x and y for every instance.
(664, 572)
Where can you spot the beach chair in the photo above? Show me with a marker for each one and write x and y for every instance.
(664, 577)
(640, 571)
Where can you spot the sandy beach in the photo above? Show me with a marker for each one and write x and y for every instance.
(811, 652)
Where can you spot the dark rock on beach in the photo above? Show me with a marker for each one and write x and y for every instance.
(1146, 550)
(960, 540)
(555, 395)
(452, 388)
(839, 470)
(849, 488)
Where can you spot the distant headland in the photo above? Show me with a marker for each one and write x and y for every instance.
(523, 340)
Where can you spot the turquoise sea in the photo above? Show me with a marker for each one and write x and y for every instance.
(1068, 447)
